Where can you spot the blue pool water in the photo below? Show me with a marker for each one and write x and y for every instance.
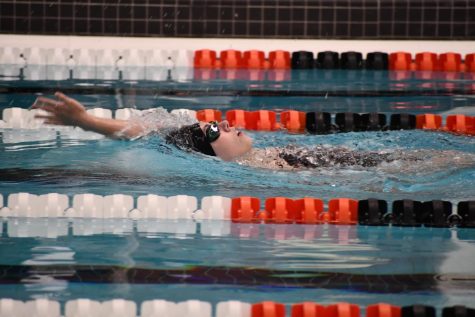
(217, 260)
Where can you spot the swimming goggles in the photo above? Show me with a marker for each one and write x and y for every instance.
(212, 131)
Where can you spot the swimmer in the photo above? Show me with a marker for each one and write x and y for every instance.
(214, 139)
(230, 144)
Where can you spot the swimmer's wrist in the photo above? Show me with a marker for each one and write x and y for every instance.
(87, 122)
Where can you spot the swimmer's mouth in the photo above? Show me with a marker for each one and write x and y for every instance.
(239, 133)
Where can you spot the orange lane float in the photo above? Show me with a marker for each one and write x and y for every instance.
(342, 310)
(400, 61)
(268, 309)
(231, 59)
(308, 210)
(254, 59)
(207, 115)
(245, 209)
(280, 210)
(236, 118)
(470, 62)
(383, 310)
(343, 211)
(450, 62)
(279, 60)
(426, 61)
(251, 59)
(293, 121)
(204, 59)
(262, 120)
(461, 124)
(307, 309)
(428, 121)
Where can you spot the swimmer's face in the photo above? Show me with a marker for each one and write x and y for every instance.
(231, 143)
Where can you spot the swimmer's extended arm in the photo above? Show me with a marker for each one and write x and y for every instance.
(68, 111)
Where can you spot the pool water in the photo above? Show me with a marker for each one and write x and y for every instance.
(218, 260)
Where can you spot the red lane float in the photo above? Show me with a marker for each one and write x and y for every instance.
(426, 61)
(254, 59)
(262, 120)
(470, 62)
(268, 309)
(400, 61)
(204, 59)
(308, 210)
(236, 118)
(460, 124)
(383, 310)
(279, 60)
(293, 121)
(342, 310)
(280, 210)
(450, 62)
(207, 115)
(307, 309)
(343, 211)
(428, 121)
(231, 59)
(245, 209)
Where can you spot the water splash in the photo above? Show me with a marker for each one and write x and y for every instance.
(160, 121)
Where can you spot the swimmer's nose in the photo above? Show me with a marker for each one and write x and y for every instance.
(224, 125)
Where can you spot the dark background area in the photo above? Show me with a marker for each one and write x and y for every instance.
(310, 19)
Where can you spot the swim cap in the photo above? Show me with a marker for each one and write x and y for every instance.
(190, 137)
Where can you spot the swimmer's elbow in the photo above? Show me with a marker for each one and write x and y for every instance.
(131, 132)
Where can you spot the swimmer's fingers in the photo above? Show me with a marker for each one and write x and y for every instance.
(46, 104)
(63, 97)
(43, 100)
(42, 116)
(69, 101)
(50, 108)
(49, 119)
(53, 122)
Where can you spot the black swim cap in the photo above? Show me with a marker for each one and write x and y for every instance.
(190, 138)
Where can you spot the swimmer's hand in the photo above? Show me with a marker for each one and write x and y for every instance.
(64, 111)
(70, 112)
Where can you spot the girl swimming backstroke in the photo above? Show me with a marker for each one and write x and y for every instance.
(230, 144)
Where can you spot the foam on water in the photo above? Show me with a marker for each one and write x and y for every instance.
(159, 120)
